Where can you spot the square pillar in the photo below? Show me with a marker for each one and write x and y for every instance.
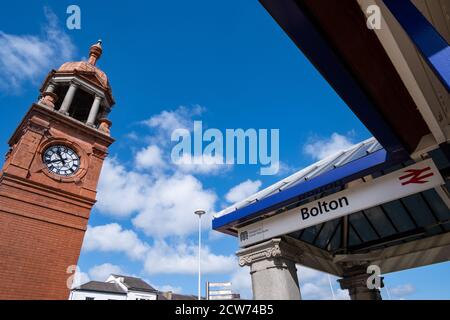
(273, 270)
(356, 284)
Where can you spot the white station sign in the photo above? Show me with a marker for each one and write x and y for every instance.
(410, 180)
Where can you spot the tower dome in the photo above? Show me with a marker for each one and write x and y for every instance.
(88, 67)
(80, 90)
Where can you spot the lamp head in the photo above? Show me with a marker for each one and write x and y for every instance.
(200, 212)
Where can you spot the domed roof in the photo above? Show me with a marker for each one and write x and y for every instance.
(95, 53)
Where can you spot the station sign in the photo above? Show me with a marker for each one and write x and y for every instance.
(396, 185)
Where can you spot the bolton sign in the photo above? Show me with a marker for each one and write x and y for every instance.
(410, 180)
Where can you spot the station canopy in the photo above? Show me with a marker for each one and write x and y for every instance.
(414, 217)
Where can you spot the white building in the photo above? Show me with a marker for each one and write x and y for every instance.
(116, 287)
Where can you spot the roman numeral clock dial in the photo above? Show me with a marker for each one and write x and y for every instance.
(61, 160)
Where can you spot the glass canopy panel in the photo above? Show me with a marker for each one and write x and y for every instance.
(335, 241)
(419, 210)
(398, 215)
(362, 226)
(310, 233)
(326, 233)
(353, 238)
(380, 222)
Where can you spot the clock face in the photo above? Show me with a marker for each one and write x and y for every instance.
(61, 160)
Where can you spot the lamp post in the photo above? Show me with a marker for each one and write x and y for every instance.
(199, 212)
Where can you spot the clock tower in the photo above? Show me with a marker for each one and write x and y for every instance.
(49, 180)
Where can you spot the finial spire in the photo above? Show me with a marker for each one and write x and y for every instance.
(95, 52)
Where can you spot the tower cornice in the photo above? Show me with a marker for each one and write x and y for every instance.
(37, 109)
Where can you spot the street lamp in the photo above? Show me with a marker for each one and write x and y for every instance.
(199, 212)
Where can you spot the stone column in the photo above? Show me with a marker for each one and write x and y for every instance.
(94, 111)
(68, 98)
(51, 88)
(273, 270)
(48, 97)
(357, 287)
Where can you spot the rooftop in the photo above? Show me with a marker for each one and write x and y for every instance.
(99, 286)
(137, 284)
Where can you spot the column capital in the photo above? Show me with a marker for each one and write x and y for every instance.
(274, 248)
(74, 84)
(357, 287)
(356, 281)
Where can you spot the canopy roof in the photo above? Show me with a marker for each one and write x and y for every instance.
(410, 218)
(327, 175)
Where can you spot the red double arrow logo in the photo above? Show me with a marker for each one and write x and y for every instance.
(416, 176)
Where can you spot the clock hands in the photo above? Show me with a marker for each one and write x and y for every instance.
(58, 152)
(62, 161)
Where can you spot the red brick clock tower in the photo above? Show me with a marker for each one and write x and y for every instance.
(49, 180)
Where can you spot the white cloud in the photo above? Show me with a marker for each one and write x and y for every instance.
(120, 192)
(318, 148)
(112, 238)
(149, 157)
(101, 272)
(242, 282)
(28, 57)
(243, 190)
(308, 274)
(182, 258)
(170, 204)
(315, 285)
(204, 164)
(401, 291)
(79, 278)
(164, 204)
(160, 199)
(167, 121)
(162, 257)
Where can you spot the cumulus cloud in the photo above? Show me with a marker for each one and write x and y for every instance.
(182, 258)
(401, 291)
(320, 148)
(242, 282)
(169, 206)
(150, 157)
(243, 190)
(101, 272)
(204, 165)
(164, 123)
(176, 257)
(315, 285)
(163, 204)
(120, 192)
(113, 238)
(26, 58)
(79, 278)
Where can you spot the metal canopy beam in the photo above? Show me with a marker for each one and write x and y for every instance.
(334, 37)
(434, 48)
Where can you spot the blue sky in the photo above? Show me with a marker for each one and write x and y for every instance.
(227, 64)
